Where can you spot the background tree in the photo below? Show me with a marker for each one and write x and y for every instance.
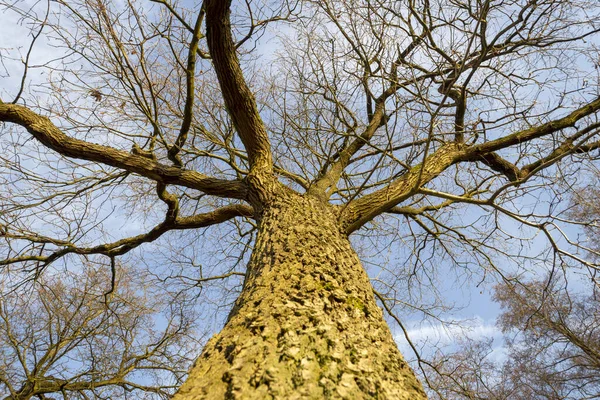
(440, 131)
(586, 211)
(73, 336)
(552, 349)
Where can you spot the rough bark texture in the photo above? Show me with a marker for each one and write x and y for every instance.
(306, 325)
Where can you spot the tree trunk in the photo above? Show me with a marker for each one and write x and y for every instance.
(306, 325)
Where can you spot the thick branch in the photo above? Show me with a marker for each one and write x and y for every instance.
(190, 77)
(568, 146)
(331, 177)
(531, 133)
(50, 136)
(377, 118)
(503, 166)
(238, 98)
(362, 210)
(47, 385)
(124, 245)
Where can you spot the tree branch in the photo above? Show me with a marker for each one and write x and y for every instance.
(122, 246)
(568, 146)
(239, 100)
(363, 209)
(190, 76)
(532, 133)
(50, 136)
(329, 178)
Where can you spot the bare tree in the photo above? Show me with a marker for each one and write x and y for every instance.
(73, 336)
(442, 130)
(552, 349)
(470, 372)
(586, 211)
(556, 354)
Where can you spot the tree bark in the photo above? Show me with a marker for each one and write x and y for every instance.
(306, 325)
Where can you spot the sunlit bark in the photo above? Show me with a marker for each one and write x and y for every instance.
(306, 325)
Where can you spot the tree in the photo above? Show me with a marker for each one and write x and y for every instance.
(74, 336)
(382, 120)
(552, 349)
(586, 211)
(560, 345)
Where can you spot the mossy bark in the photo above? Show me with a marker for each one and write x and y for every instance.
(306, 325)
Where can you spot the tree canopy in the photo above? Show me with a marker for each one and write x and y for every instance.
(444, 137)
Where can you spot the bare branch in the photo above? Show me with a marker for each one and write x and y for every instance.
(236, 93)
(123, 246)
(48, 134)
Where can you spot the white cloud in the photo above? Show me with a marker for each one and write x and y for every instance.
(427, 337)
(475, 328)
